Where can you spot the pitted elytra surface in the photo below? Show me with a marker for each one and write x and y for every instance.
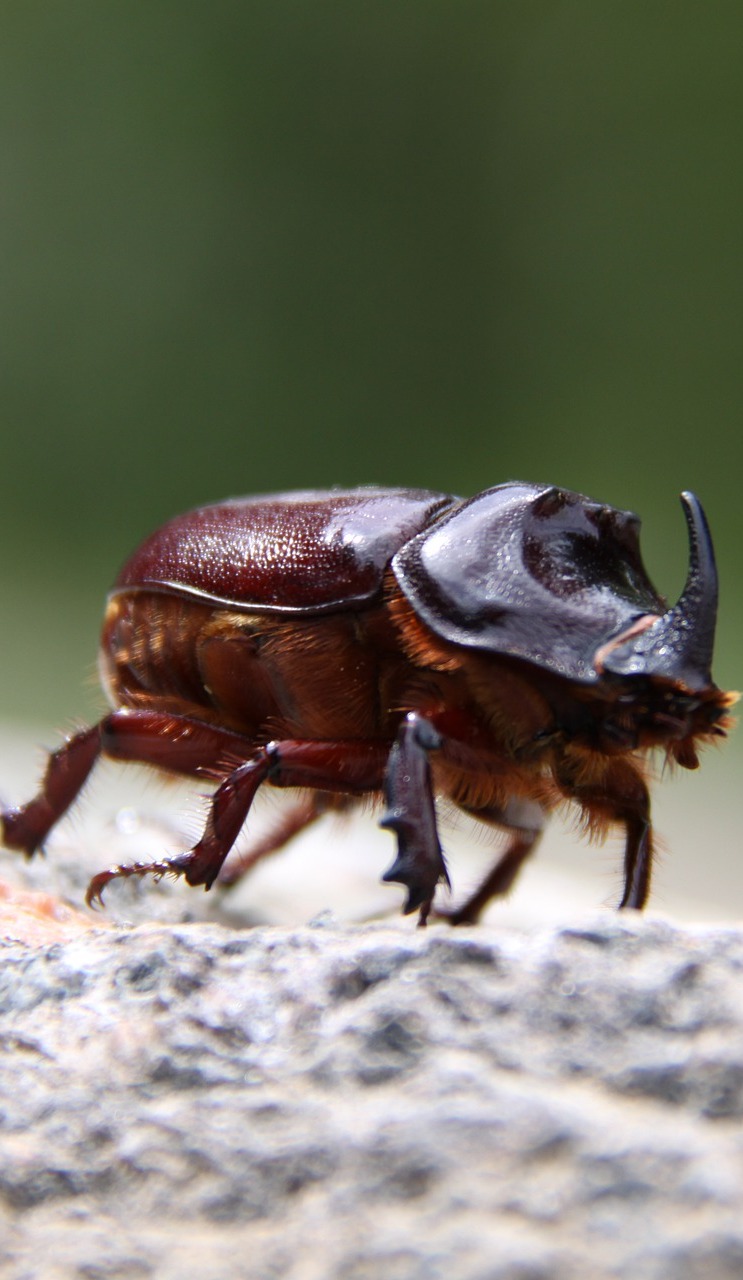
(368, 1102)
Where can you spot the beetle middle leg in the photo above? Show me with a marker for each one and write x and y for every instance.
(290, 824)
(347, 767)
(354, 767)
(525, 820)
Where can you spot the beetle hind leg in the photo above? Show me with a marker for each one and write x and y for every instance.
(525, 821)
(67, 771)
(125, 870)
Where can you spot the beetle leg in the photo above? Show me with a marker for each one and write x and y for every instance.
(178, 744)
(189, 747)
(526, 822)
(638, 860)
(200, 865)
(623, 797)
(411, 814)
(67, 770)
(175, 743)
(632, 808)
(290, 824)
(327, 766)
(345, 766)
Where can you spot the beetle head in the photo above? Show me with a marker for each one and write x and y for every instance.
(665, 665)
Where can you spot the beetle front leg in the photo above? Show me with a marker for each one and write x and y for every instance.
(411, 814)
(632, 808)
(623, 798)
(638, 860)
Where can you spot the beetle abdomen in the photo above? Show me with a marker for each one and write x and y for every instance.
(150, 651)
(260, 675)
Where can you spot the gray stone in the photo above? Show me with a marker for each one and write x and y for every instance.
(352, 1103)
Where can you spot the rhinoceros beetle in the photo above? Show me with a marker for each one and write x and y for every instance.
(506, 651)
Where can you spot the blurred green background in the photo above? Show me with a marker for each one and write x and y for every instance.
(250, 246)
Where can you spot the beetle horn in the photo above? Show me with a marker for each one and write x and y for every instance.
(679, 645)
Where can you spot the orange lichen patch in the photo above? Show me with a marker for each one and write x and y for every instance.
(39, 918)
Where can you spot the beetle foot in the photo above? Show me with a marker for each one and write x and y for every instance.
(406, 870)
(24, 829)
(419, 895)
(176, 866)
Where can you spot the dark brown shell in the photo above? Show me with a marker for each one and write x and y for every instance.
(308, 551)
(531, 572)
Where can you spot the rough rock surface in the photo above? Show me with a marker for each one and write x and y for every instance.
(352, 1103)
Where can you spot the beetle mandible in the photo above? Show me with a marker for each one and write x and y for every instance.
(507, 651)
